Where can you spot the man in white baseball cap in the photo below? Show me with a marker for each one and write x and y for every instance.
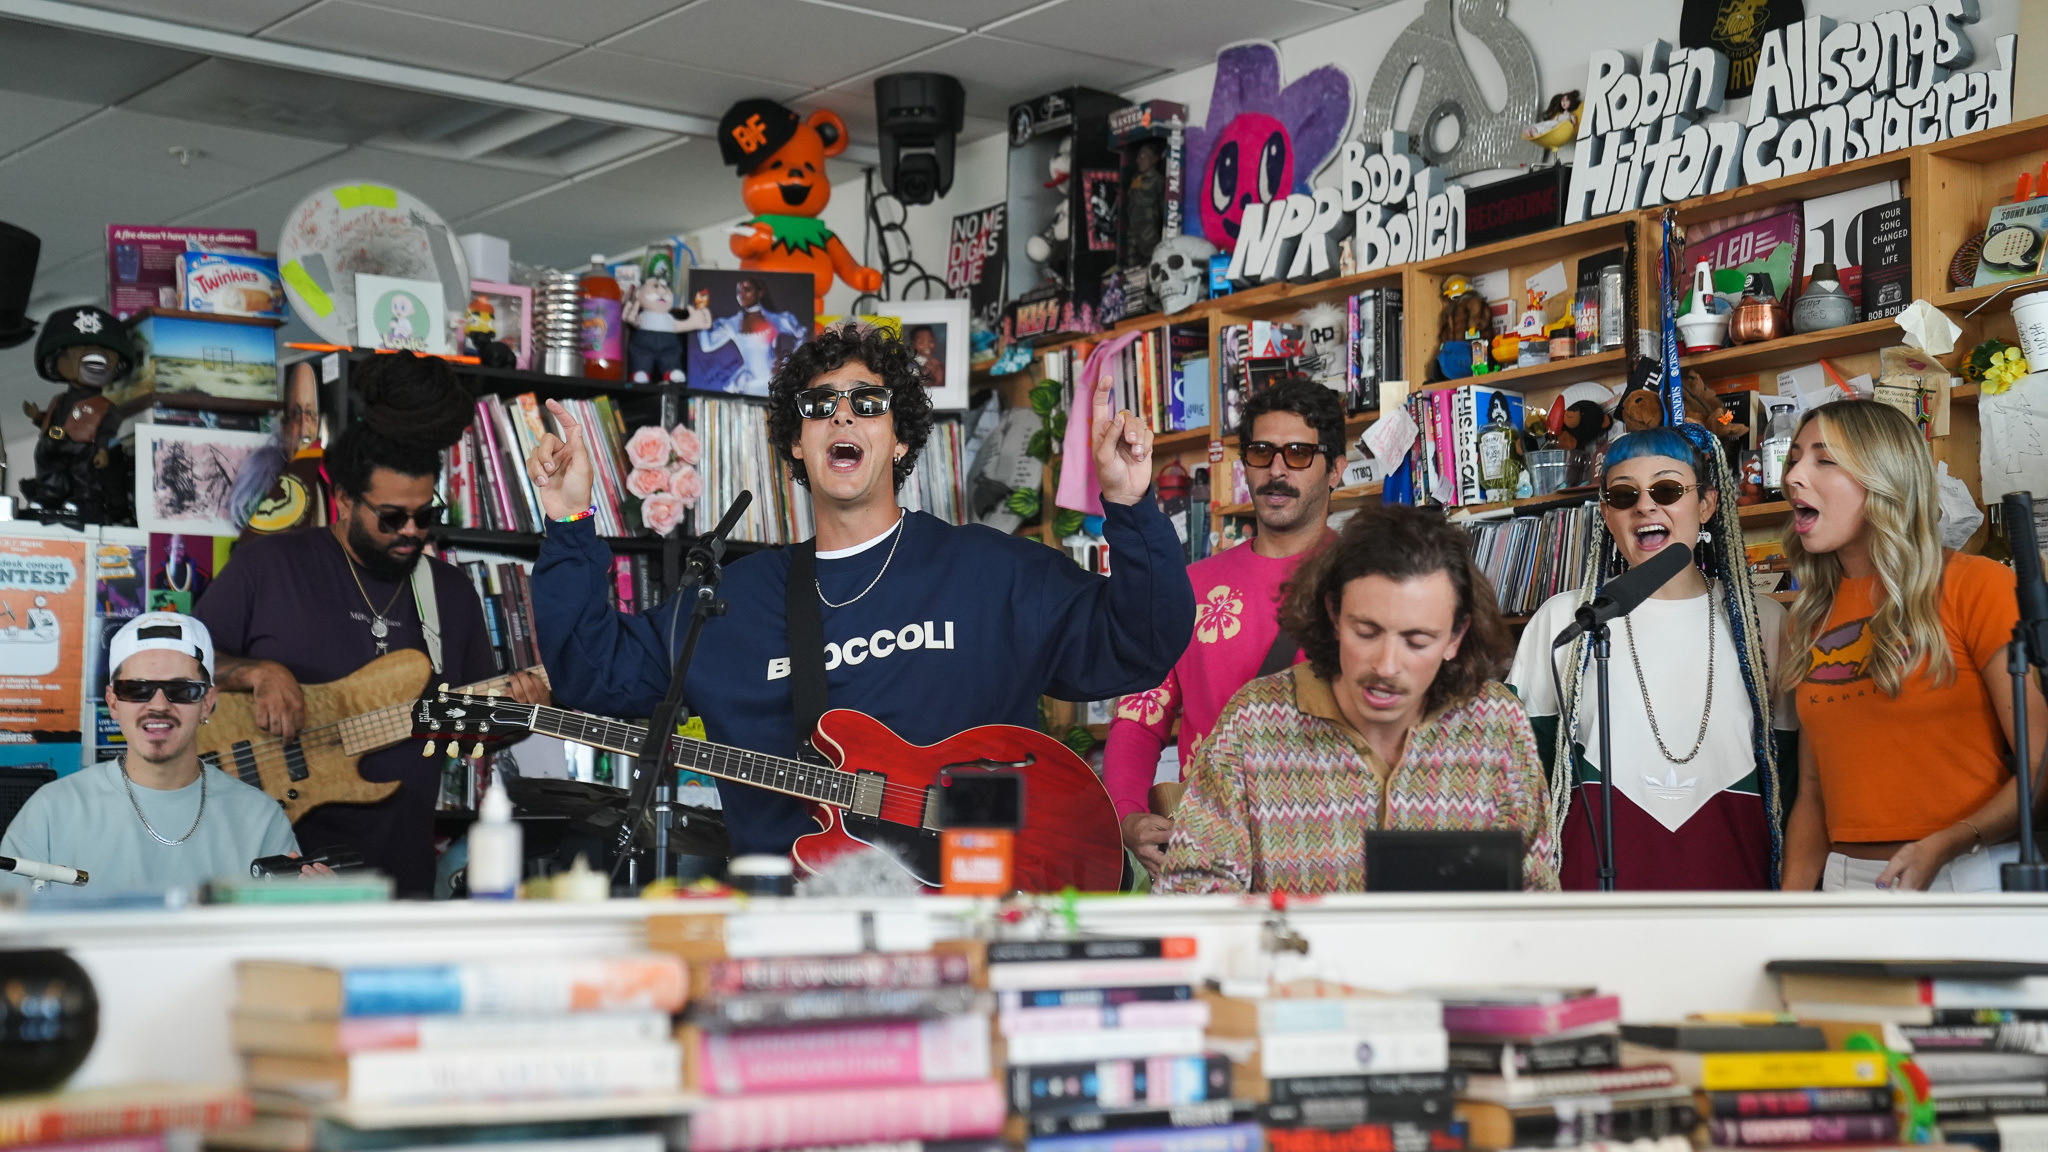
(155, 819)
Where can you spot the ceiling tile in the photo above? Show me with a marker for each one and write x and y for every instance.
(136, 146)
(77, 66)
(786, 40)
(999, 72)
(274, 99)
(654, 83)
(24, 119)
(957, 13)
(70, 205)
(427, 41)
(451, 188)
(580, 23)
(1173, 34)
(672, 191)
(243, 16)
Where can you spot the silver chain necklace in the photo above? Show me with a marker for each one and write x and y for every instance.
(129, 785)
(878, 576)
(1643, 685)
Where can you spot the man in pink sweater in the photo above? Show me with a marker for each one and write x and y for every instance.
(1292, 441)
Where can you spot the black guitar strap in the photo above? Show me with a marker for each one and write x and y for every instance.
(1281, 654)
(806, 628)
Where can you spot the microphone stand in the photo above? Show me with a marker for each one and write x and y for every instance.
(702, 567)
(2028, 650)
(1596, 630)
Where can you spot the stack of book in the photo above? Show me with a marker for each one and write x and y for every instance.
(483, 478)
(938, 485)
(506, 592)
(802, 1052)
(360, 1045)
(1103, 1038)
(123, 1118)
(1771, 1086)
(1376, 332)
(1340, 1069)
(1979, 1030)
(1555, 1079)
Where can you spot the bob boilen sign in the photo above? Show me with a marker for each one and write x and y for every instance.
(1825, 93)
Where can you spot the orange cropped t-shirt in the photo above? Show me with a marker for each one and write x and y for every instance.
(1900, 768)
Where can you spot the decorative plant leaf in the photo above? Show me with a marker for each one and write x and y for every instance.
(1057, 424)
(1025, 502)
(1039, 447)
(1045, 397)
(1080, 740)
(1066, 523)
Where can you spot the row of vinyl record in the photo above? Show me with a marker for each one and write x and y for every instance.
(1529, 559)
(484, 481)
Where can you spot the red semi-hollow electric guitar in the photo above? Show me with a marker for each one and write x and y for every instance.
(880, 789)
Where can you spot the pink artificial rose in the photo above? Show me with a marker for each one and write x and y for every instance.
(686, 484)
(645, 482)
(688, 447)
(661, 513)
(649, 447)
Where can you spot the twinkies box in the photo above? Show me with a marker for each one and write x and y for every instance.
(232, 284)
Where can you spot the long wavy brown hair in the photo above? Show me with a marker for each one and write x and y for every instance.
(1878, 447)
(1401, 543)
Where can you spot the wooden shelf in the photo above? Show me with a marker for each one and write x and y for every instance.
(1166, 443)
(1967, 298)
(1771, 511)
(1532, 249)
(1535, 376)
(1965, 393)
(1868, 336)
(1793, 189)
(1561, 496)
(1269, 300)
(1783, 597)
(1995, 143)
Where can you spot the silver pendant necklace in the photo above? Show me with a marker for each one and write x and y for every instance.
(878, 576)
(380, 622)
(1644, 687)
(129, 785)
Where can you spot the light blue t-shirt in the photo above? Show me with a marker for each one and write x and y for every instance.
(85, 820)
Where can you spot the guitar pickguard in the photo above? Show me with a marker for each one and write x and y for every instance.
(918, 848)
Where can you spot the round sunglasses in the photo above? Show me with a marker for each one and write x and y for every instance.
(821, 403)
(176, 691)
(390, 521)
(1622, 497)
(1259, 454)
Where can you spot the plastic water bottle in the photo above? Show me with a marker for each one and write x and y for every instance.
(1777, 443)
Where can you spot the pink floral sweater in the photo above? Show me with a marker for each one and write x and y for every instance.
(1237, 607)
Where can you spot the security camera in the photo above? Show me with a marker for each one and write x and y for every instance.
(920, 114)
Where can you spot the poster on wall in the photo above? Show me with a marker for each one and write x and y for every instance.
(757, 318)
(936, 333)
(42, 640)
(975, 265)
(180, 568)
(185, 476)
(119, 591)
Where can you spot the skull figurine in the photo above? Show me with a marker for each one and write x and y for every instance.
(1179, 271)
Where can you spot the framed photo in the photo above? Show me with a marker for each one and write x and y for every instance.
(936, 332)
(399, 315)
(757, 318)
(511, 316)
(184, 476)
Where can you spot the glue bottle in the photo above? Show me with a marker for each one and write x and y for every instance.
(496, 848)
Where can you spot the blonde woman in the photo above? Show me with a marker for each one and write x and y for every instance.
(1904, 772)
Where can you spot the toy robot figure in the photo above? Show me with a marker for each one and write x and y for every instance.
(78, 479)
(654, 354)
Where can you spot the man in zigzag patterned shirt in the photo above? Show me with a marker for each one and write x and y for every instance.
(931, 629)
(1396, 721)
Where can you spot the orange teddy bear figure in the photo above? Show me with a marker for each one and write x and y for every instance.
(781, 162)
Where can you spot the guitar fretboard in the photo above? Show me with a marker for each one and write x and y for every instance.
(776, 773)
(392, 724)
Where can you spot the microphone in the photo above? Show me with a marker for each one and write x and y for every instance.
(1624, 592)
(2026, 557)
(710, 547)
(37, 870)
(339, 857)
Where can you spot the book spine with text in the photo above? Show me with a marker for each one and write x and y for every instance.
(1284, 1088)
(1013, 1001)
(1207, 1114)
(1090, 974)
(1095, 1086)
(1592, 1082)
(1333, 1014)
(1367, 1138)
(1338, 1053)
(1799, 1102)
(838, 1006)
(1103, 1044)
(376, 1033)
(1779, 1130)
(1135, 948)
(568, 984)
(850, 1056)
(1531, 1019)
(1509, 1058)
(809, 1119)
(1349, 1111)
(872, 970)
(1140, 1014)
(1227, 1138)
(110, 1113)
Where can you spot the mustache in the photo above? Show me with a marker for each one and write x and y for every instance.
(146, 717)
(1279, 487)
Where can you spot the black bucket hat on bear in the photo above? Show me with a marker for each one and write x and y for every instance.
(751, 131)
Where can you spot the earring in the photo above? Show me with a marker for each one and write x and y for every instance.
(1706, 536)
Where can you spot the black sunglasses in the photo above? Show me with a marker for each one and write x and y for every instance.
(821, 403)
(1259, 454)
(1622, 497)
(176, 691)
(392, 520)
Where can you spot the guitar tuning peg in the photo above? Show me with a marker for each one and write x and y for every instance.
(476, 750)
(428, 754)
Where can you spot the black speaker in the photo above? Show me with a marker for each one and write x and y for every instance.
(19, 251)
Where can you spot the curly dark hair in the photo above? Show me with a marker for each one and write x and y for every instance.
(408, 409)
(1318, 406)
(884, 355)
(1402, 543)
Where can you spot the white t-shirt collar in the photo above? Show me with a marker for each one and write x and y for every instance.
(857, 549)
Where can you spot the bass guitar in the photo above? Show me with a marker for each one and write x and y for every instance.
(346, 719)
(879, 789)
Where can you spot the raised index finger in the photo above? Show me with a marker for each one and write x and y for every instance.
(572, 432)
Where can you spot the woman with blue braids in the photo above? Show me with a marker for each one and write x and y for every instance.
(1697, 803)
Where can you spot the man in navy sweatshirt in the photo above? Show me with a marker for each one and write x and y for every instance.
(931, 629)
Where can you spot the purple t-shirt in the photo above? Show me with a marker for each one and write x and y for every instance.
(290, 598)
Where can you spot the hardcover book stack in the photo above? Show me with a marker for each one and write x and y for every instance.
(1978, 1029)
(1340, 1069)
(126, 1118)
(1103, 1038)
(1771, 1086)
(1556, 1079)
(331, 1051)
(802, 1052)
